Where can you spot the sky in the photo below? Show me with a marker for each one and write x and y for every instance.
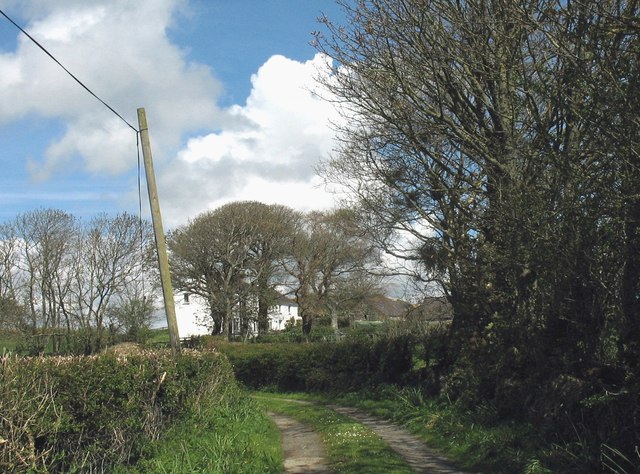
(227, 86)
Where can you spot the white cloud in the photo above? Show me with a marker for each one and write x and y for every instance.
(268, 154)
(121, 51)
(266, 149)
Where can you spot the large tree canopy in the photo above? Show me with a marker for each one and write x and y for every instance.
(503, 137)
(237, 256)
(331, 265)
(499, 135)
(229, 255)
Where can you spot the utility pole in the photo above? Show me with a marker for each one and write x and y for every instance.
(161, 245)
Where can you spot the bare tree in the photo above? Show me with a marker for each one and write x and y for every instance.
(11, 311)
(66, 273)
(328, 255)
(8, 260)
(45, 237)
(110, 258)
(209, 258)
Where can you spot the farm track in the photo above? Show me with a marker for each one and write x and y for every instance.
(302, 447)
(304, 453)
(413, 450)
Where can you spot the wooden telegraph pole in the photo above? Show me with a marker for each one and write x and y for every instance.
(161, 245)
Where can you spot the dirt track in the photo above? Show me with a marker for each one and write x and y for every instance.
(304, 452)
(412, 449)
(302, 447)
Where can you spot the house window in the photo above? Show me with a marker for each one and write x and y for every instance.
(186, 298)
(289, 309)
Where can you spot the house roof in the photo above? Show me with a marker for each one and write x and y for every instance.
(387, 307)
(285, 301)
(433, 308)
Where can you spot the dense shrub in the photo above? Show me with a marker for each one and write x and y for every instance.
(62, 414)
(589, 415)
(334, 367)
(432, 350)
(294, 334)
(280, 366)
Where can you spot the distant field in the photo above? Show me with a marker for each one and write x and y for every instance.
(9, 340)
(158, 336)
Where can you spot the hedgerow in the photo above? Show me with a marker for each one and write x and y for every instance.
(332, 367)
(82, 414)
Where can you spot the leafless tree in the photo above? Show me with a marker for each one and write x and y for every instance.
(328, 256)
(209, 258)
(11, 311)
(45, 237)
(109, 259)
(66, 272)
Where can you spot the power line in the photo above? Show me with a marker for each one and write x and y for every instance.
(102, 102)
(67, 71)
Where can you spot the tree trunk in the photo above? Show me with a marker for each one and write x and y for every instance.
(630, 340)
(228, 321)
(334, 322)
(306, 324)
(263, 315)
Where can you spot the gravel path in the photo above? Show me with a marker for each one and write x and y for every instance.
(304, 453)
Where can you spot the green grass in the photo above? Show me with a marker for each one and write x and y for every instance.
(232, 435)
(351, 447)
(468, 437)
(158, 336)
(9, 340)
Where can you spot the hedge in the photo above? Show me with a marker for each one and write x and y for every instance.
(330, 367)
(84, 414)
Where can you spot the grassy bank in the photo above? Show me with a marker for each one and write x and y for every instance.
(146, 411)
(230, 435)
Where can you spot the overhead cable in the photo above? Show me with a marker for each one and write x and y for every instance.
(67, 71)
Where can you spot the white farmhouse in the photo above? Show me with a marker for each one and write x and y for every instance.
(283, 312)
(193, 317)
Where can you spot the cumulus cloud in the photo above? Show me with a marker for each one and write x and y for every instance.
(121, 51)
(268, 153)
(266, 149)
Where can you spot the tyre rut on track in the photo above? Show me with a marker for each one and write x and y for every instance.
(304, 452)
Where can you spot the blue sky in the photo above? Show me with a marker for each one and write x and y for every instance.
(226, 85)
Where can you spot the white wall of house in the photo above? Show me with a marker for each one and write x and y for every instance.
(281, 314)
(193, 317)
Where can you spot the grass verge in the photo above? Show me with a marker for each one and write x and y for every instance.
(351, 447)
(468, 437)
(230, 435)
